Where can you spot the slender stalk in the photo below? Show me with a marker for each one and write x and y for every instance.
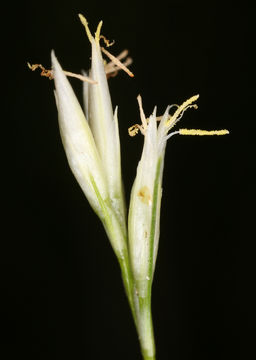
(141, 310)
(128, 282)
(145, 326)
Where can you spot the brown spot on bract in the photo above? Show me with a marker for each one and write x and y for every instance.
(144, 194)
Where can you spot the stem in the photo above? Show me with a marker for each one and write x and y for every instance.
(140, 306)
(141, 309)
(145, 327)
(128, 282)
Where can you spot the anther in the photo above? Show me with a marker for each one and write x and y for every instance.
(180, 111)
(117, 62)
(85, 24)
(50, 74)
(199, 132)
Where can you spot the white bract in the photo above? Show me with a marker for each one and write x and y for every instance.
(145, 208)
(78, 141)
(104, 123)
(144, 215)
(92, 145)
(144, 212)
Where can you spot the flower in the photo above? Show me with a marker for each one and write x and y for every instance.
(144, 212)
(92, 144)
(104, 124)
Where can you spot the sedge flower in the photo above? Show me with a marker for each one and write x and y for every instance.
(91, 142)
(103, 123)
(92, 146)
(144, 212)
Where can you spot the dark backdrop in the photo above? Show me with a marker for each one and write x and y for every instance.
(63, 297)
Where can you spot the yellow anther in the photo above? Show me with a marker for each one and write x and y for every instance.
(133, 130)
(202, 132)
(106, 41)
(114, 60)
(85, 24)
(88, 32)
(97, 34)
(187, 104)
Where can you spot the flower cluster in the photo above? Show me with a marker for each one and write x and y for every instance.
(91, 141)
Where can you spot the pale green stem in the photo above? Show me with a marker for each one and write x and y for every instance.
(124, 262)
(128, 282)
(145, 326)
(141, 310)
(140, 307)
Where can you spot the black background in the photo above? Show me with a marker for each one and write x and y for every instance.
(61, 286)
